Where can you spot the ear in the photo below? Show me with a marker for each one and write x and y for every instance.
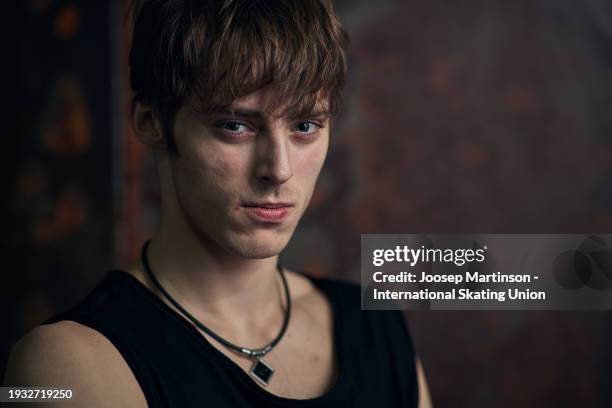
(147, 127)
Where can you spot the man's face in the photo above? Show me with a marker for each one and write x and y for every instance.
(230, 165)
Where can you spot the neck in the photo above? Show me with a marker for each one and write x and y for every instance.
(212, 284)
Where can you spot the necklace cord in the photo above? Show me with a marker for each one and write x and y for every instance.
(242, 350)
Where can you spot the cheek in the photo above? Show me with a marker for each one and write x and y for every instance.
(211, 170)
(205, 167)
(222, 168)
(310, 163)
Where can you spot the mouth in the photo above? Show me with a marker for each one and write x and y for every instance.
(268, 205)
(268, 212)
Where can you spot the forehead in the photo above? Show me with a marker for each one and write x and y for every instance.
(273, 103)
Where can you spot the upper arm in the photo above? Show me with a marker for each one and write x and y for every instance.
(68, 355)
(424, 397)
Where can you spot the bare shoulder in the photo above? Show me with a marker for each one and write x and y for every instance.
(308, 298)
(69, 355)
(301, 287)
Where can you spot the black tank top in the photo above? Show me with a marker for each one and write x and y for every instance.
(177, 367)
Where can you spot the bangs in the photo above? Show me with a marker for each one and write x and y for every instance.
(209, 53)
(297, 48)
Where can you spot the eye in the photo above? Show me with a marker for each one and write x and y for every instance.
(308, 127)
(233, 130)
(233, 127)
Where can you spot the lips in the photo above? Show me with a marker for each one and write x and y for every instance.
(267, 211)
(268, 205)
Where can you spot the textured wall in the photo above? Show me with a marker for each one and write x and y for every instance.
(485, 117)
(57, 159)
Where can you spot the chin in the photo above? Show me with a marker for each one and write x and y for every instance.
(261, 247)
(259, 252)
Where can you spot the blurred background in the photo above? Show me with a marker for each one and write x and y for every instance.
(476, 116)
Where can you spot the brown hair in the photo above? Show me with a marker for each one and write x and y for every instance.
(220, 50)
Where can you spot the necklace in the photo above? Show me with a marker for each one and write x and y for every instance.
(260, 370)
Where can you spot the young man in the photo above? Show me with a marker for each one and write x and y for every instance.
(235, 99)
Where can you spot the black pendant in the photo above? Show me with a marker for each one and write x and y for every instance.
(261, 371)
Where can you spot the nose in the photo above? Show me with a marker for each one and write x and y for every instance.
(273, 165)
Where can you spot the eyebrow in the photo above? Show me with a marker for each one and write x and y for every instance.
(255, 114)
